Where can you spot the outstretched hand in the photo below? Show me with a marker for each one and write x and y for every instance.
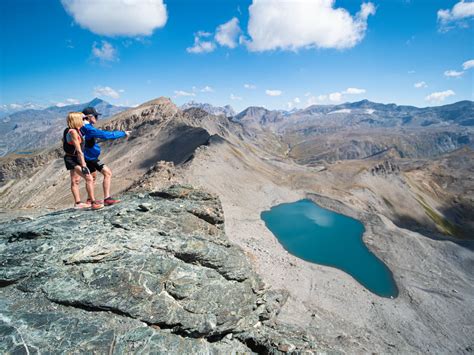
(127, 133)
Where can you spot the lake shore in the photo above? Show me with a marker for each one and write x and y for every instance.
(434, 309)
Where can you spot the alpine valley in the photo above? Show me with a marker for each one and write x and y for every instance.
(185, 264)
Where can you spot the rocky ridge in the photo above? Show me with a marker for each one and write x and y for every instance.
(154, 273)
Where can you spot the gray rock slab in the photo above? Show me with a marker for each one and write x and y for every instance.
(155, 273)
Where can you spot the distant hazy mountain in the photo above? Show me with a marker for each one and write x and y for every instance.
(35, 128)
(367, 113)
(227, 110)
(360, 129)
(9, 109)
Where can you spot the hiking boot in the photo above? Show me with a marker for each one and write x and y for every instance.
(96, 205)
(81, 205)
(109, 201)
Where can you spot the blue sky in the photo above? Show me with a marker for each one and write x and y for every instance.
(312, 51)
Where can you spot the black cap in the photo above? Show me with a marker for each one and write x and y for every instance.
(90, 111)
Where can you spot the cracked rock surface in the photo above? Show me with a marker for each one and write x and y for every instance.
(155, 273)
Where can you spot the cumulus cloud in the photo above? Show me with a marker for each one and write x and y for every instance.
(460, 12)
(14, 107)
(290, 25)
(313, 99)
(105, 52)
(294, 103)
(468, 64)
(354, 91)
(227, 34)
(207, 89)
(200, 45)
(273, 92)
(250, 86)
(420, 85)
(335, 97)
(179, 93)
(235, 98)
(118, 17)
(453, 73)
(68, 102)
(106, 91)
(439, 96)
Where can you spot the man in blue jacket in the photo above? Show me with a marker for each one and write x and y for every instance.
(92, 150)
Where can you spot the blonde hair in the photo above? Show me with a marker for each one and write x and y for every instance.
(74, 120)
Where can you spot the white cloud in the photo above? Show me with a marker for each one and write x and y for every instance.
(468, 64)
(420, 85)
(118, 17)
(294, 103)
(290, 25)
(313, 100)
(439, 96)
(332, 97)
(68, 102)
(250, 86)
(14, 107)
(201, 46)
(273, 92)
(207, 89)
(354, 91)
(106, 91)
(453, 73)
(235, 98)
(106, 52)
(227, 34)
(179, 93)
(335, 97)
(460, 11)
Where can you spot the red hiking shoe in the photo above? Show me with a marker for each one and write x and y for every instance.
(96, 205)
(109, 201)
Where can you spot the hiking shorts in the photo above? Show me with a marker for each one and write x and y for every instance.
(71, 161)
(95, 165)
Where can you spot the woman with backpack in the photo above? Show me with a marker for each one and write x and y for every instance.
(73, 143)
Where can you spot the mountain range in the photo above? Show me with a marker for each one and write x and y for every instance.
(305, 132)
(38, 128)
(410, 185)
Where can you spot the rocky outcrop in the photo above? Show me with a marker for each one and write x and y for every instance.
(385, 168)
(155, 273)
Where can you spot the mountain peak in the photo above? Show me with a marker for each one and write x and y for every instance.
(162, 100)
(226, 110)
(96, 101)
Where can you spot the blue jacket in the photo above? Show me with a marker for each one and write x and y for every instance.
(90, 133)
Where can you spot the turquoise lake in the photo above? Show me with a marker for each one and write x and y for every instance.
(318, 235)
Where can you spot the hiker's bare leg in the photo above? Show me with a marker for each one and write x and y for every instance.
(89, 182)
(75, 179)
(107, 180)
(94, 178)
